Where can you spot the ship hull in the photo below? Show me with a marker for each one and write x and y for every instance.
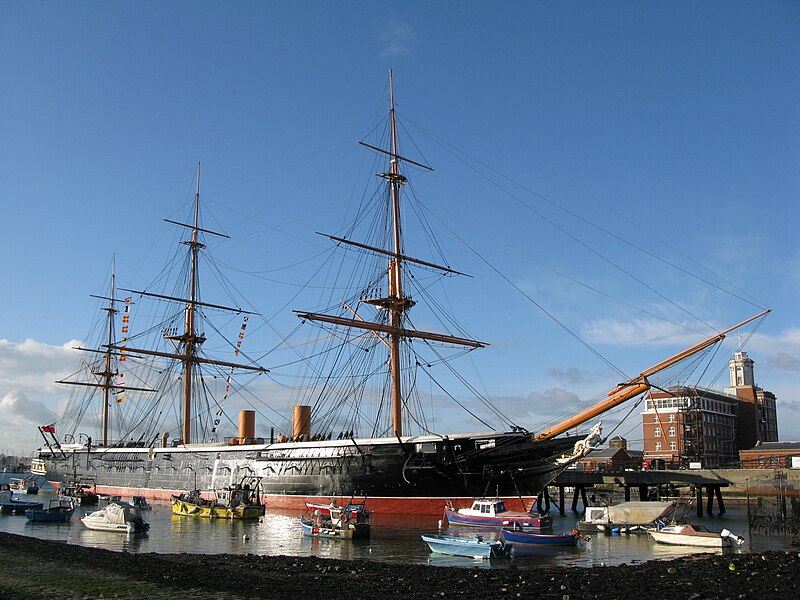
(408, 476)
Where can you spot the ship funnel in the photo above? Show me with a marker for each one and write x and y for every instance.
(301, 421)
(247, 425)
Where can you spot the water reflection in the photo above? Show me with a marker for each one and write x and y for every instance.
(394, 539)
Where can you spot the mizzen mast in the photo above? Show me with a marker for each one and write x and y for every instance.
(395, 302)
(105, 378)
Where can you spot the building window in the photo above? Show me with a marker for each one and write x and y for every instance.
(658, 446)
(673, 446)
(672, 432)
(655, 418)
(672, 418)
(657, 432)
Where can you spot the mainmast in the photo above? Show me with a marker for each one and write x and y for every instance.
(396, 303)
(395, 284)
(189, 342)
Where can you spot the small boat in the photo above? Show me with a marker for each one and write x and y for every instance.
(81, 492)
(117, 518)
(626, 517)
(473, 547)
(487, 512)
(351, 521)
(520, 540)
(10, 504)
(240, 501)
(29, 486)
(690, 535)
(60, 510)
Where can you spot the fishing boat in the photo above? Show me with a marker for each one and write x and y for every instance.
(354, 512)
(338, 523)
(240, 501)
(116, 518)
(29, 486)
(691, 535)
(385, 449)
(472, 547)
(82, 492)
(59, 510)
(486, 512)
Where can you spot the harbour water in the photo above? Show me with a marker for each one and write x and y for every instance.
(394, 539)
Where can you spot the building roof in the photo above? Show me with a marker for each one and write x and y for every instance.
(775, 446)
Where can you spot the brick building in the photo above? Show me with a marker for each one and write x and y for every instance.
(696, 425)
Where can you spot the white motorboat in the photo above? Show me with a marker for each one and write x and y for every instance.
(687, 535)
(118, 518)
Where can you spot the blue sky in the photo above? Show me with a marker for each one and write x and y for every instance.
(673, 125)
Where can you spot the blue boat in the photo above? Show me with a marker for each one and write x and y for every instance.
(519, 540)
(59, 511)
(473, 547)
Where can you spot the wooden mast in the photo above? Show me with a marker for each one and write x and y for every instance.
(105, 378)
(395, 302)
(637, 385)
(395, 286)
(190, 340)
(107, 372)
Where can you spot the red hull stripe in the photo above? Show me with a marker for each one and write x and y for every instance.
(379, 505)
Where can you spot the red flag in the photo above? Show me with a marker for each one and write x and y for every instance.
(48, 428)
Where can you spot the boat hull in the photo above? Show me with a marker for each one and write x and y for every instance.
(412, 476)
(501, 520)
(48, 516)
(461, 546)
(523, 539)
(211, 511)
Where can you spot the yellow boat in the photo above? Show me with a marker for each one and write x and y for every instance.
(235, 502)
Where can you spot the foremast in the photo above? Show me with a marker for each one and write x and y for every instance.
(396, 303)
(187, 345)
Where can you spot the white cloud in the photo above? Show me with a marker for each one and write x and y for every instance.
(29, 395)
(395, 36)
(638, 332)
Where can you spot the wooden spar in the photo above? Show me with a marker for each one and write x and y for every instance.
(101, 385)
(637, 385)
(395, 155)
(387, 252)
(196, 303)
(399, 332)
(195, 359)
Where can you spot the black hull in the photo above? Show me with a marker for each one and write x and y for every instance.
(468, 466)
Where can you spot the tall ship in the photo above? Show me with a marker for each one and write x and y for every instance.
(349, 437)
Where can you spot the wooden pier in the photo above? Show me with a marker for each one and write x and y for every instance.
(647, 483)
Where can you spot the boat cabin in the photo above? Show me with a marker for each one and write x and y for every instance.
(485, 508)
